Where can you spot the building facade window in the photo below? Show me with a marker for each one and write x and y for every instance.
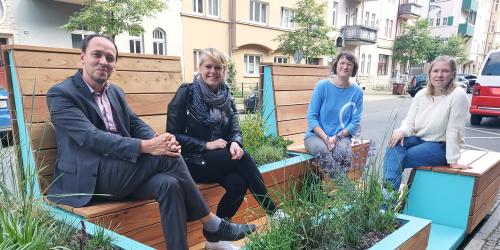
(373, 20)
(286, 17)
(492, 28)
(213, 7)
(78, 36)
(363, 63)
(383, 61)
(386, 31)
(252, 63)
(497, 2)
(196, 60)
(335, 10)
(198, 6)
(367, 18)
(445, 21)
(369, 64)
(391, 23)
(159, 42)
(438, 19)
(280, 59)
(258, 11)
(431, 21)
(136, 44)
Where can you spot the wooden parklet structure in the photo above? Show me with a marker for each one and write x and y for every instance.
(149, 83)
(455, 200)
(286, 93)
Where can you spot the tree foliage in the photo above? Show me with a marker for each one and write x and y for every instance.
(455, 47)
(310, 33)
(113, 17)
(414, 44)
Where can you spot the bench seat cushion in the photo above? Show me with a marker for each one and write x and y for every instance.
(444, 237)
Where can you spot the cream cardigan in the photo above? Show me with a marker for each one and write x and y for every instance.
(438, 118)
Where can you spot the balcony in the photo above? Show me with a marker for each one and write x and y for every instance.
(409, 11)
(470, 5)
(466, 29)
(359, 34)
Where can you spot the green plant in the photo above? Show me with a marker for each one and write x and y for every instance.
(330, 214)
(263, 149)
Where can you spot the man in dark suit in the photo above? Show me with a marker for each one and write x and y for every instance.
(104, 148)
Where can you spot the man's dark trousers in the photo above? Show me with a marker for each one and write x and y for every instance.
(163, 178)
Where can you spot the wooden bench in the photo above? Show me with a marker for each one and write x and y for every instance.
(286, 92)
(149, 83)
(455, 200)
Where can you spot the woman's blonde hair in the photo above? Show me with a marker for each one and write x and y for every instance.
(216, 55)
(452, 84)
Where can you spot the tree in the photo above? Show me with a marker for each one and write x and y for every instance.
(455, 47)
(113, 17)
(310, 33)
(415, 45)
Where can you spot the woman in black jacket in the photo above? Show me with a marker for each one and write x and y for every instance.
(202, 115)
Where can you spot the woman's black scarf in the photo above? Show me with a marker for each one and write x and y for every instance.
(211, 108)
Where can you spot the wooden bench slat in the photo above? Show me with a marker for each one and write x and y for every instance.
(42, 134)
(38, 81)
(284, 113)
(150, 235)
(292, 97)
(481, 198)
(483, 164)
(38, 59)
(142, 104)
(296, 138)
(291, 127)
(475, 219)
(287, 82)
(304, 71)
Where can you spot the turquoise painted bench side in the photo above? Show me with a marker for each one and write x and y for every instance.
(30, 170)
(444, 199)
(268, 104)
(412, 226)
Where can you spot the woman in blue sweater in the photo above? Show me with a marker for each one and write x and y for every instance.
(334, 115)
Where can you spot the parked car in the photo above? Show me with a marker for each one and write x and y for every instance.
(417, 83)
(472, 80)
(486, 92)
(5, 129)
(463, 82)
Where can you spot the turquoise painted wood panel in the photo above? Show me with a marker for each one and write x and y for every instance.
(444, 237)
(24, 139)
(411, 227)
(268, 108)
(441, 197)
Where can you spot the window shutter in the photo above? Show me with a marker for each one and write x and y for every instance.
(450, 20)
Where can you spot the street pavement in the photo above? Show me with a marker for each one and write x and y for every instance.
(383, 112)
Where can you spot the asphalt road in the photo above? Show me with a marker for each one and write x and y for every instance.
(382, 115)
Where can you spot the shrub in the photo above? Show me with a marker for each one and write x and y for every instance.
(263, 149)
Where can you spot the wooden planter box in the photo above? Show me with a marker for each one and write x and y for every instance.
(413, 235)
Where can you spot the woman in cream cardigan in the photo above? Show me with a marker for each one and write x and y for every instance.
(433, 130)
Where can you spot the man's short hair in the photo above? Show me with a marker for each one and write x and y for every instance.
(349, 57)
(87, 39)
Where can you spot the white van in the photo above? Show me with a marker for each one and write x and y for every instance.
(486, 93)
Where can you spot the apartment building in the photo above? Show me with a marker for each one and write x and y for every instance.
(460, 17)
(34, 22)
(245, 30)
(493, 37)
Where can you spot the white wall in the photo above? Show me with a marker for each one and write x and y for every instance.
(168, 20)
(37, 22)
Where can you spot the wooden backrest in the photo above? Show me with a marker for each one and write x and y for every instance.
(287, 90)
(149, 83)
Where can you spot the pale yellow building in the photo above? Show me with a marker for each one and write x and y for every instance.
(493, 38)
(243, 29)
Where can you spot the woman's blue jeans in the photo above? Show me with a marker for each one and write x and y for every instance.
(414, 152)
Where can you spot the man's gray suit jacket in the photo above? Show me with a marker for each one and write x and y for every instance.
(83, 141)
